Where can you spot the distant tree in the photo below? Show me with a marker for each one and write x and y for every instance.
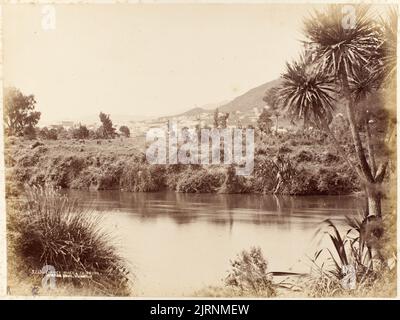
(216, 118)
(20, 117)
(106, 130)
(271, 98)
(99, 133)
(43, 133)
(62, 133)
(52, 135)
(47, 134)
(30, 132)
(220, 121)
(223, 120)
(81, 132)
(93, 134)
(264, 121)
(125, 131)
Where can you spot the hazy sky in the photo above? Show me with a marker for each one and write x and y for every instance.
(145, 59)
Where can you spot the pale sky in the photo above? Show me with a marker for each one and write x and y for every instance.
(145, 59)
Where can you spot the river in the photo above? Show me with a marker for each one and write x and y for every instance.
(179, 243)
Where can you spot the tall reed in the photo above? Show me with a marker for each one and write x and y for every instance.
(52, 229)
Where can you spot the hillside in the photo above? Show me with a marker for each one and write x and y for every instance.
(244, 103)
(251, 99)
(194, 112)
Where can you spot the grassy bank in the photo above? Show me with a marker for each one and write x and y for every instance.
(48, 229)
(120, 164)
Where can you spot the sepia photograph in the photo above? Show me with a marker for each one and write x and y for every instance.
(187, 150)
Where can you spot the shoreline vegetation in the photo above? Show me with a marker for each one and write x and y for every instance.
(343, 88)
(49, 232)
(119, 164)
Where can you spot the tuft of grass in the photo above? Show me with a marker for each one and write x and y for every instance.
(51, 229)
(249, 276)
(359, 247)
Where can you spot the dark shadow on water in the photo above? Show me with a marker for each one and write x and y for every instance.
(222, 209)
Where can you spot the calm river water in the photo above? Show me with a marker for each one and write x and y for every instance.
(179, 243)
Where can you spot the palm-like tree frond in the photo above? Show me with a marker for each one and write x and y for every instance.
(387, 51)
(307, 92)
(363, 82)
(339, 48)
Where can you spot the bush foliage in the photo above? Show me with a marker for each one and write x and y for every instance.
(51, 229)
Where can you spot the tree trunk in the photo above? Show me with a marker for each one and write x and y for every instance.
(373, 180)
(366, 170)
(374, 202)
(371, 153)
(357, 143)
(372, 188)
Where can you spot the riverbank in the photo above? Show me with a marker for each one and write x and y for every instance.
(58, 247)
(120, 164)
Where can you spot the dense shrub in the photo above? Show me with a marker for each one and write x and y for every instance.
(233, 183)
(125, 131)
(81, 132)
(304, 182)
(173, 175)
(359, 247)
(142, 177)
(101, 167)
(200, 181)
(249, 274)
(50, 229)
(329, 158)
(304, 156)
(285, 149)
(322, 180)
(47, 134)
(337, 181)
(63, 170)
(264, 176)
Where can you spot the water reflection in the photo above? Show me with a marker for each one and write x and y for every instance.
(179, 243)
(224, 209)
